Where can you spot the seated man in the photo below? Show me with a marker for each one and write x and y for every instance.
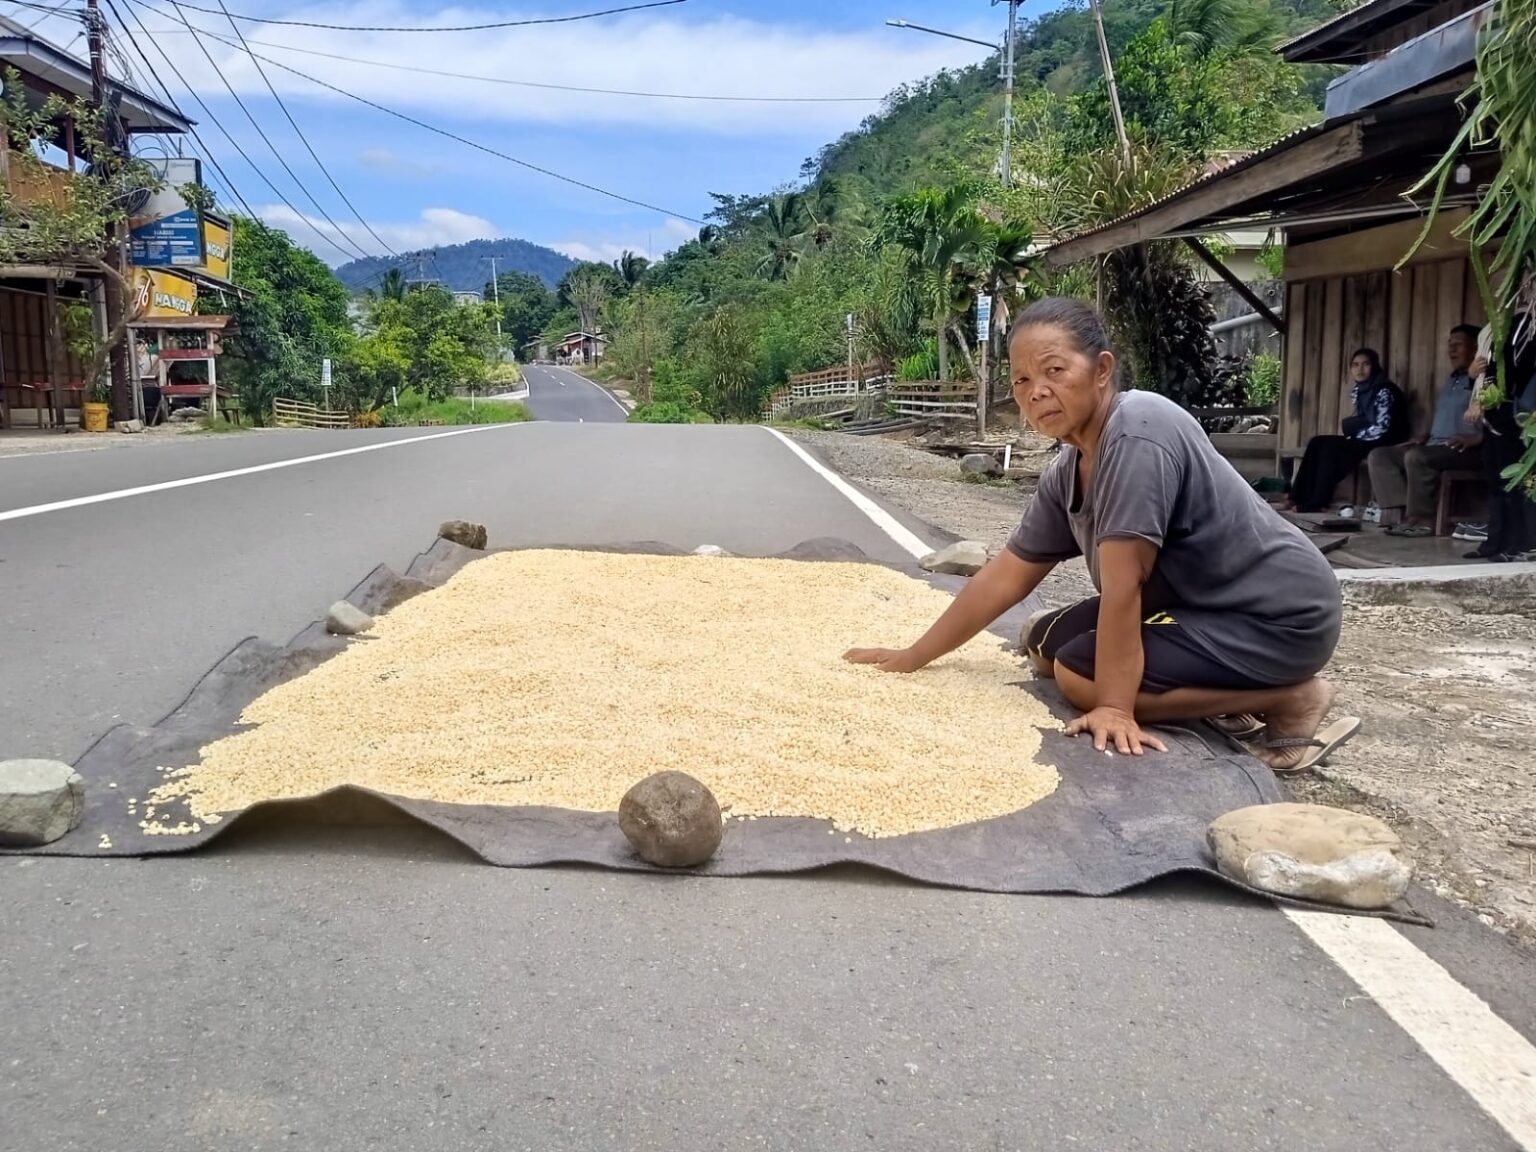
(1406, 477)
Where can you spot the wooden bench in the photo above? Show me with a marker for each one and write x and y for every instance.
(1446, 504)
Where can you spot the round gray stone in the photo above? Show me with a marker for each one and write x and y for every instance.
(672, 820)
(40, 800)
(347, 619)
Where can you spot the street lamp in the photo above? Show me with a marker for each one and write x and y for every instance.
(1007, 75)
(938, 32)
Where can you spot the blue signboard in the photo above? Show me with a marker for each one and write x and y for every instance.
(171, 241)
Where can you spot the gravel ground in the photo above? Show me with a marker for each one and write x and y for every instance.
(1448, 698)
(30, 442)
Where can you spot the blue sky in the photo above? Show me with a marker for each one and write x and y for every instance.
(415, 188)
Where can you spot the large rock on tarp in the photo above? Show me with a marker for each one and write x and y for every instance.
(40, 800)
(963, 559)
(672, 820)
(464, 532)
(980, 464)
(1312, 852)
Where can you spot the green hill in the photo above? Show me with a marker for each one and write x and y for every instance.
(461, 267)
(930, 131)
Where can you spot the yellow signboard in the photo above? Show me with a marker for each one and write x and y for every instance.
(159, 294)
(218, 245)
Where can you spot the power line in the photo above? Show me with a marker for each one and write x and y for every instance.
(564, 87)
(340, 231)
(426, 126)
(154, 75)
(459, 28)
(235, 144)
(300, 133)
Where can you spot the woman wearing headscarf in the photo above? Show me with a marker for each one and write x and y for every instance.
(1380, 418)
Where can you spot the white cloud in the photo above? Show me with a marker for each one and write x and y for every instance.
(650, 243)
(724, 55)
(435, 226)
(391, 163)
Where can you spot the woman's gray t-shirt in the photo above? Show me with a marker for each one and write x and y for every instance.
(1258, 596)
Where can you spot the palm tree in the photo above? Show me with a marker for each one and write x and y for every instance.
(631, 267)
(831, 207)
(391, 286)
(785, 238)
(943, 235)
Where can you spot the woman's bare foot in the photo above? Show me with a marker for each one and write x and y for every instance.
(1298, 715)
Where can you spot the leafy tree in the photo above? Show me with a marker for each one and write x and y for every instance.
(631, 267)
(294, 315)
(585, 289)
(526, 306)
(391, 286)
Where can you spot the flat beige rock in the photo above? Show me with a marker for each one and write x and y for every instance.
(1312, 852)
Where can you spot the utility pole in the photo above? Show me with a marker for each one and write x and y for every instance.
(123, 404)
(496, 296)
(1114, 89)
(1013, 12)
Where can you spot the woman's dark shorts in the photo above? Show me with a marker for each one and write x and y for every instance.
(1173, 658)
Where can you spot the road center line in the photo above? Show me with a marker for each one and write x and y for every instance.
(209, 478)
(1490, 1061)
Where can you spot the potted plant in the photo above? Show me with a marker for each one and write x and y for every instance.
(96, 410)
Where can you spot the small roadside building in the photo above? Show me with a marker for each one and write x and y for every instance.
(581, 348)
(1337, 191)
(40, 377)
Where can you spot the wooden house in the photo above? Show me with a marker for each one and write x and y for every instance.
(1337, 190)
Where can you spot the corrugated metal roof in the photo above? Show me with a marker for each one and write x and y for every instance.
(1320, 45)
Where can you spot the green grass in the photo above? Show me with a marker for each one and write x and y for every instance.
(217, 424)
(414, 410)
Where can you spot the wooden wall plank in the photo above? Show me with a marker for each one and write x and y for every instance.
(1472, 303)
(1399, 325)
(1295, 364)
(1317, 323)
(1378, 291)
(1421, 377)
(1450, 307)
(1330, 372)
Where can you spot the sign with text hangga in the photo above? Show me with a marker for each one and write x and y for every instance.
(983, 317)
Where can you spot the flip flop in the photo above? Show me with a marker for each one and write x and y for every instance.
(1239, 726)
(1325, 743)
(1414, 530)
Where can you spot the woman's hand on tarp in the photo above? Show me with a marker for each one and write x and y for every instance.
(885, 659)
(1114, 727)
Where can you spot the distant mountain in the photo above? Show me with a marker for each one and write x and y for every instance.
(460, 267)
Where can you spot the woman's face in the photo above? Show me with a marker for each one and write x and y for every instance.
(1058, 387)
(1360, 369)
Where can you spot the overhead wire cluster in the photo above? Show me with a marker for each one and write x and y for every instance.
(123, 39)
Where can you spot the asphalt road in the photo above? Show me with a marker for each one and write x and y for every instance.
(382, 989)
(560, 394)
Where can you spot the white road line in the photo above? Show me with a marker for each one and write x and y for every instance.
(887, 523)
(1483, 1055)
(598, 387)
(209, 478)
(1492, 1063)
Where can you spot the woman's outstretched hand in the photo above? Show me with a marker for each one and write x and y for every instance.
(885, 659)
(1113, 726)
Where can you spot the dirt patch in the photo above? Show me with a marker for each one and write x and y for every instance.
(45, 441)
(1447, 695)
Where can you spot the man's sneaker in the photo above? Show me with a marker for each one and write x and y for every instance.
(1372, 513)
(1472, 533)
(1347, 512)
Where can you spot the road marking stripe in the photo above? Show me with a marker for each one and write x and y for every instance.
(578, 376)
(887, 523)
(209, 478)
(1490, 1061)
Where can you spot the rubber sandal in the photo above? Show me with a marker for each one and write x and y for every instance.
(1414, 530)
(1325, 743)
(1239, 726)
